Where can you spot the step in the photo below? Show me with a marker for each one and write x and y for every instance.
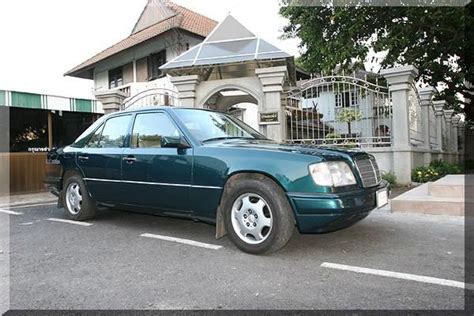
(453, 208)
(419, 201)
(451, 186)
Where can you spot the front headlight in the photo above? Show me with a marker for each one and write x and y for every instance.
(333, 173)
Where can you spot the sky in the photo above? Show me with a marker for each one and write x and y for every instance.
(41, 40)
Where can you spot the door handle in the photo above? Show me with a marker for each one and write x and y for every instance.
(83, 157)
(129, 159)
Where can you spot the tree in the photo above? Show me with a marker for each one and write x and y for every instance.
(437, 40)
(348, 116)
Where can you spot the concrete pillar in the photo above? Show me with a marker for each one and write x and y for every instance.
(455, 122)
(439, 106)
(462, 141)
(448, 114)
(400, 81)
(272, 80)
(186, 86)
(111, 100)
(426, 103)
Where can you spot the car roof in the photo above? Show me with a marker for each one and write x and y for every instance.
(154, 108)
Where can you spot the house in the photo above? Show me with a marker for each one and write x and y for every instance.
(170, 43)
(163, 31)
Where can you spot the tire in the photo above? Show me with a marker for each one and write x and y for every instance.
(245, 201)
(78, 205)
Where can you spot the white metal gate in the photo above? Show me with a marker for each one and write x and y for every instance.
(340, 110)
(152, 97)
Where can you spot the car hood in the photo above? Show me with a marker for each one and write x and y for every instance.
(313, 150)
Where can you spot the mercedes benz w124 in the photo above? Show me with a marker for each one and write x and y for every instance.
(211, 167)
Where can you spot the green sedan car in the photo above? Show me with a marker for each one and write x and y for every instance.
(211, 167)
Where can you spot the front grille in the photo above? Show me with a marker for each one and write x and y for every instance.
(369, 171)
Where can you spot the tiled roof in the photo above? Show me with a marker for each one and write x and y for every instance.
(184, 19)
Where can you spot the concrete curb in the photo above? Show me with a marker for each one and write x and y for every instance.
(27, 199)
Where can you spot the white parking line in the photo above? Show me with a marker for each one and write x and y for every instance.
(397, 275)
(183, 241)
(10, 212)
(68, 221)
(30, 205)
(26, 224)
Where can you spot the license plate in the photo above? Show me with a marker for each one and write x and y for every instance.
(382, 197)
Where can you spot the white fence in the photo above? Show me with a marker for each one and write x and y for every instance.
(152, 97)
(340, 110)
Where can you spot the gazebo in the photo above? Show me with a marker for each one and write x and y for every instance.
(232, 66)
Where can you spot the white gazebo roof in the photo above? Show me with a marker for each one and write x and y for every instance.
(229, 42)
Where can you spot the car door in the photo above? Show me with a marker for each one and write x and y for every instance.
(101, 159)
(153, 176)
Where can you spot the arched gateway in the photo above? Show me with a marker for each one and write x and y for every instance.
(233, 69)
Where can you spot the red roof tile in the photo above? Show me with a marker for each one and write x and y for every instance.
(184, 19)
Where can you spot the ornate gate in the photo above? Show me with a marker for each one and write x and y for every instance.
(339, 110)
(152, 97)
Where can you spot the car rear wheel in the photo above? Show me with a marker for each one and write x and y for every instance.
(78, 204)
(257, 215)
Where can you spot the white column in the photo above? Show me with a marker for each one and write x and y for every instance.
(455, 122)
(111, 100)
(186, 86)
(426, 95)
(462, 140)
(272, 80)
(400, 80)
(448, 114)
(438, 106)
(134, 70)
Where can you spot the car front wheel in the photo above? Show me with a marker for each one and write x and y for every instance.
(257, 215)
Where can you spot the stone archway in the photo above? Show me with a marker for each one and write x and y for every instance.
(238, 101)
(241, 97)
(250, 86)
(265, 86)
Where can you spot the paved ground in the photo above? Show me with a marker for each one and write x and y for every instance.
(24, 199)
(108, 265)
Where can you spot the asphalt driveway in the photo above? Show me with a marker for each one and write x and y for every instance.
(132, 261)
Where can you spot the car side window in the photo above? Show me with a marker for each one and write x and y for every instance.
(150, 128)
(94, 140)
(114, 132)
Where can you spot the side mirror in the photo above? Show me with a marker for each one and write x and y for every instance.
(174, 142)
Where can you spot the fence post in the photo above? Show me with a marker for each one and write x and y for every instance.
(439, 105)
(455, 121)
(186, 86)
(462, 141)
(272, 80)
(112, 101)
(426, 103)
(448, 114)
(400, 81)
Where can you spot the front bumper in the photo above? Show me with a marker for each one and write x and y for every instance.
(325, 212)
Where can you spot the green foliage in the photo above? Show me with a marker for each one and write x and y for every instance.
(332, 135)
(390, 177)
(436, 170)
(437, 40)
(348, 115)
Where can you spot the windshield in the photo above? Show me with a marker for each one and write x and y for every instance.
(208, 126)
